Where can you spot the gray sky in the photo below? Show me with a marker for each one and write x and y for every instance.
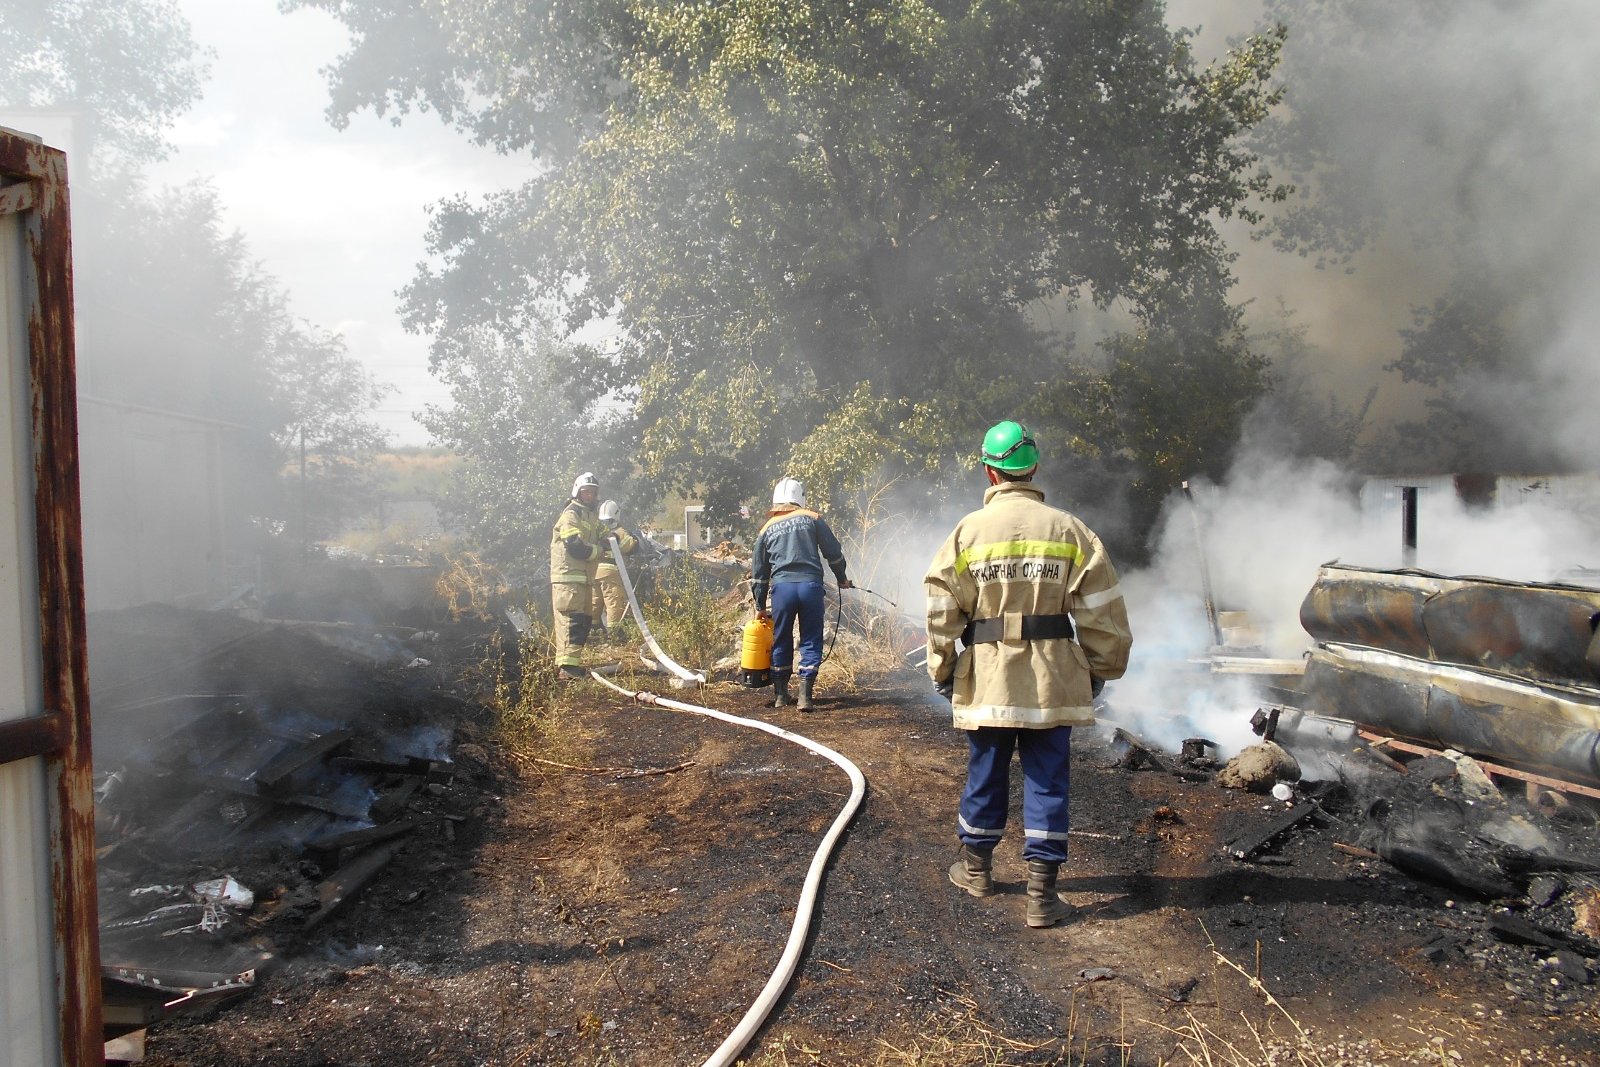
(337, 217)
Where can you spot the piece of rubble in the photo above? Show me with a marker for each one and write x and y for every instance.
(1543, 889)
(1471, 778)
(1572, 966)
(1259, 767)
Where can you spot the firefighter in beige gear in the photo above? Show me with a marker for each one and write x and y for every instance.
(576, 543)
(610, 602)
(1032, 597)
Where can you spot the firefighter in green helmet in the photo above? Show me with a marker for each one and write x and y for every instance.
(1031, 596)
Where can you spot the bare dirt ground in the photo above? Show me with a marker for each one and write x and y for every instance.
(589, 915)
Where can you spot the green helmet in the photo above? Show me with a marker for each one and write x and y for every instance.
(1008, 446)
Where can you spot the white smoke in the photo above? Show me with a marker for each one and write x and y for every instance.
(1268, 527)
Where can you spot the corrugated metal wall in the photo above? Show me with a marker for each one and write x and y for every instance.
(50, 1008)
(28, 976)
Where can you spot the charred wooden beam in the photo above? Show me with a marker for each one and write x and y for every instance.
(1508, 926)
(332, 893)
(417, 766)
(326, 850)
(394, 801)
(1245, 848)
(284, 765)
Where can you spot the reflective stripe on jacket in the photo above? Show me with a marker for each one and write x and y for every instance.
(791, 547)
(576, 519)
(1013, 557)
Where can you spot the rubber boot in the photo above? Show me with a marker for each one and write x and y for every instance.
(780, 689)
(806, 682)
(974, 871)
(1045, 908)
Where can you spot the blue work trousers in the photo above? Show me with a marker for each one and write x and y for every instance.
(802, 601)
(1045, 780)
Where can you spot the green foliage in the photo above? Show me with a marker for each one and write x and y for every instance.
(125, 68)
(1175, 406)
(520, 445)
(690, 615)
(808, 217)
(524, 691)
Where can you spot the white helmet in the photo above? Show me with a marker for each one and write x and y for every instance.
(789, 491)
(586, 480)
(610, 511)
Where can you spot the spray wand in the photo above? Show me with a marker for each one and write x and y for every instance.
(880, 596)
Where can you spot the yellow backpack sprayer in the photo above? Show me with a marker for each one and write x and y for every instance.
(755, 655)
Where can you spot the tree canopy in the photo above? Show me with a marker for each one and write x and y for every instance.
(821, 230)
(126, 68)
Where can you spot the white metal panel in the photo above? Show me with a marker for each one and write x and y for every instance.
(28, 982)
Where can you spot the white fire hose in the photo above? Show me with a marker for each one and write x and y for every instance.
(758, 1011)
(644, 628)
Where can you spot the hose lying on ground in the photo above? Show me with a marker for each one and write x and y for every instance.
(768, 997)
(638, 616)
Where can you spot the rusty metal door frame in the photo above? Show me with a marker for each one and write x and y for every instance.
(33, 185)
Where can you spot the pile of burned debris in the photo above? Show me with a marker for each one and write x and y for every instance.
(1518, 880)
(252, 779)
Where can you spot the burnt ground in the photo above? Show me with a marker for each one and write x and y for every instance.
(587, 914)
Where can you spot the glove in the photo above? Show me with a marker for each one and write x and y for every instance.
(577, 547)
(845, 583)
(946, 688)
(1095, 685)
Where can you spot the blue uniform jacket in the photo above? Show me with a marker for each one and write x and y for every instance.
(791, 548)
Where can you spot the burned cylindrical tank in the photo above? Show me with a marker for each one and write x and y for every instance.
(1538, 726)
(1502, 670)
(1543, 633)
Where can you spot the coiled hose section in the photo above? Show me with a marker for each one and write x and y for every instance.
(762, 1007)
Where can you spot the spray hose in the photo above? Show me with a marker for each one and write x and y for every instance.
(758, 1011)
(644, 628)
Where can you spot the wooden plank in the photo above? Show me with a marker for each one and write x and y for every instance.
(1246, 847)
(1559, 784)
(282, 766)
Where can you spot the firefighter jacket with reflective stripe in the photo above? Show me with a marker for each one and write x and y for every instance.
(577, 543)
(791, 548)
(1012, 558)
(625, 544)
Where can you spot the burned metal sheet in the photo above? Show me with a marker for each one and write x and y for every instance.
(1545, 727)
(1531, 631)
(1545, 633)
(1374, 608)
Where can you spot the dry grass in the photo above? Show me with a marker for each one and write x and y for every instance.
(872, 630)
(690, 618)
(526, 695)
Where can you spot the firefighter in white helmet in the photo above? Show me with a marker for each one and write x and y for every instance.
(577, 542)
(787, 561)
(1031, 594)
(610, 602)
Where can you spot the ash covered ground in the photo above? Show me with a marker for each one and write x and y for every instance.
(626, 907)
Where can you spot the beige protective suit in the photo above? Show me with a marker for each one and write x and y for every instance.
(572, 578)
(1014, 560)
(610, 599)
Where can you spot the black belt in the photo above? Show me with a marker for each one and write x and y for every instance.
(1034, 628)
